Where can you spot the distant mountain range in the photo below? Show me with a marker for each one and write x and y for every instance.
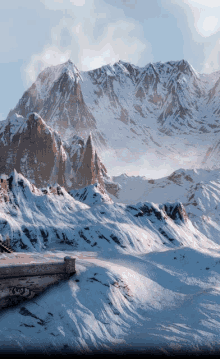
(197, 189)
(62, 124)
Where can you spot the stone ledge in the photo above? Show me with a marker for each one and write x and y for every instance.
(34, 269)
(20, 282)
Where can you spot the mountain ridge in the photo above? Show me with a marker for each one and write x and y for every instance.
(125, 106)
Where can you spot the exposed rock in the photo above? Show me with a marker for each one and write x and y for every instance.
(175, 211)
(34, 149)
(91, 195)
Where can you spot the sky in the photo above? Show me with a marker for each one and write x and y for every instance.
(38, 33)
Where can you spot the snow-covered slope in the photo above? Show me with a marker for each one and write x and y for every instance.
(166, 302)
(146, 279)
(91, 195)
(37, 219)
(198, 190)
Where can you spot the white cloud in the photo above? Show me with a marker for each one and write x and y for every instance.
(149, 165)
(206, 16)
(210, 23)
(207, 25)
(212, 61)
(115, 44)
(64, 4)
(208, 3)
(89, 43)
(50, 56)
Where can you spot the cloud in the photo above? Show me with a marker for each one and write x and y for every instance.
(206, 16)
(50, 56)
(210, 24)
(114, 44)
(208, 3)
(212, 61)
(89, 38)
(149, 165)
(63, 4)
(207, 25)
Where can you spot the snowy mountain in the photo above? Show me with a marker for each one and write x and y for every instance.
(147, 250)
(146, 278)
(36, 219)
(198, 190)
(163, 108)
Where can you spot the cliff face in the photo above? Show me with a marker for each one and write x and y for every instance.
(36, 151)
(57, 97)
(90, 168)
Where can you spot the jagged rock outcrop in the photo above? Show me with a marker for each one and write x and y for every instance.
(175, 211)
(90, 168)
(91, 195)
(32, 148)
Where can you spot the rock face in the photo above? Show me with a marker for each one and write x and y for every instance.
(91, 195)
(57, 97)
(175, 211)
(32, 148)
(90, 168)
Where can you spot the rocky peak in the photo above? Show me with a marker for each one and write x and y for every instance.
(36, 151)
(175, 211)
(86, 174)
(185, 67)
(72, 71)
(91, 195)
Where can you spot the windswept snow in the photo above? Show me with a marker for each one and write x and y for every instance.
(146, 277)
(167, 300)
(198, 190)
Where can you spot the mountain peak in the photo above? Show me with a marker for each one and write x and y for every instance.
(185, 67)
(72, 71)
(34, 116)
(89, 141)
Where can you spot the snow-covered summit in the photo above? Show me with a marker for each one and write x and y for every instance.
(91, 195)
(129, 107)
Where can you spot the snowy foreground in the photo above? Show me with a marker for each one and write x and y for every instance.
(146, 277)
(165, 300)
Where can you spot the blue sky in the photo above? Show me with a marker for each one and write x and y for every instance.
(39, 33)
